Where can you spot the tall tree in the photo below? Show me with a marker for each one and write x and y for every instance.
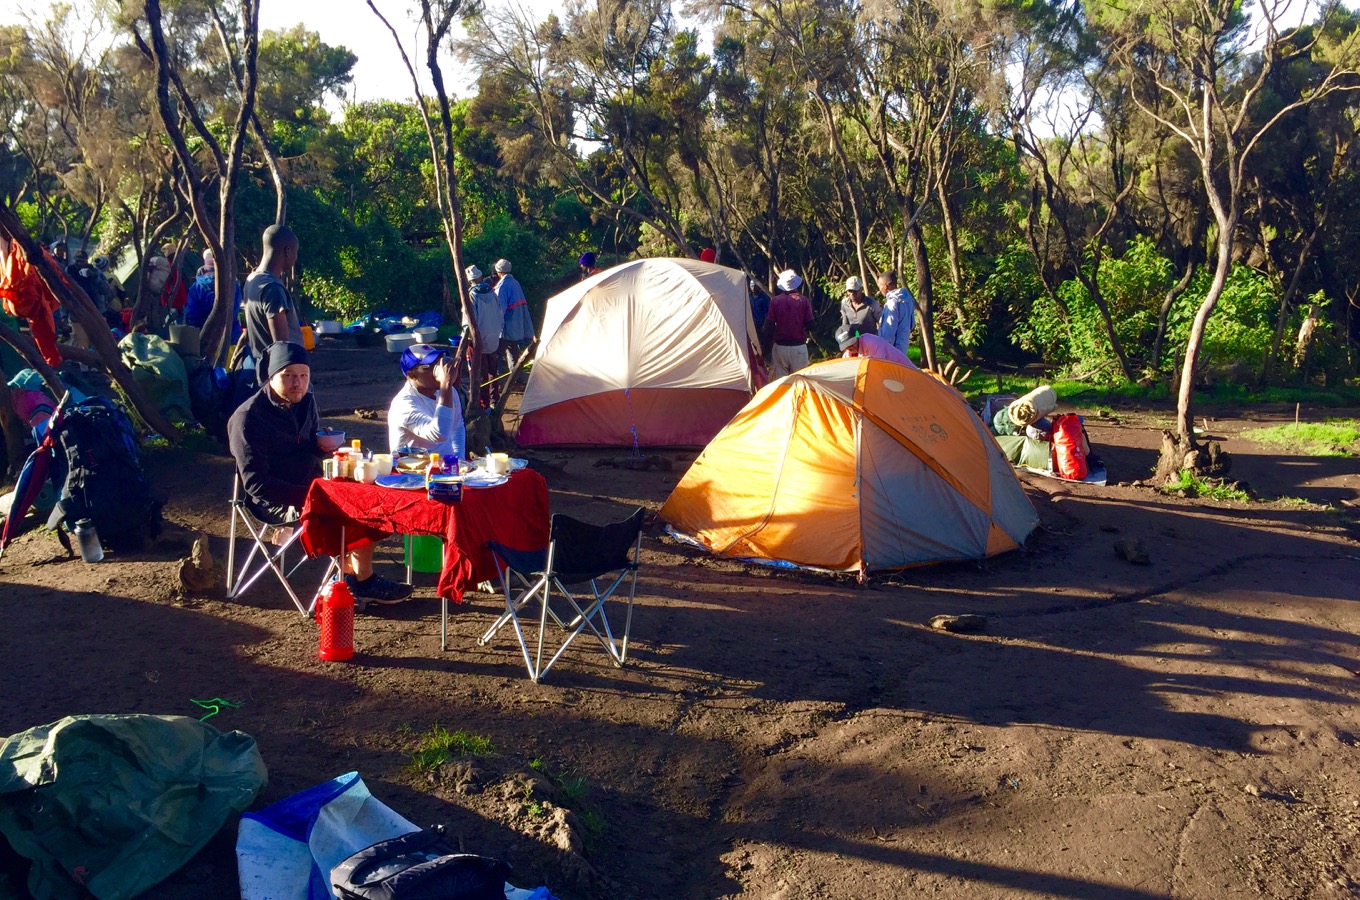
(179, 108)
(593, 79)
(436, 18)
(1199, 67)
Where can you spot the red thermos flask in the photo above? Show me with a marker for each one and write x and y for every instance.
(335, 615)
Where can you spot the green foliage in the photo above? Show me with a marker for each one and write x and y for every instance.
(1226, 392)
(439, 745)
(349, 269)
(501, 238)
(296, 72)
(1012, 284)
(331, 298)
(29, 214)
(1243, 324)
(1071, 333)
(1191, 485)
(194, 439)
(1335, 437)
(621, 131)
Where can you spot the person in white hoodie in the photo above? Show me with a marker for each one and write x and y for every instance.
(486, 307)
(427, 412)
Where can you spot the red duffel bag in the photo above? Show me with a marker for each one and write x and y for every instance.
(1069, 447)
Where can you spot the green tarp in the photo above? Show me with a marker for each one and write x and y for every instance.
(118, 803)
(160, 373)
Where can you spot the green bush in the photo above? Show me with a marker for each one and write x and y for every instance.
(331, 298)
(1071, 334)
(1242, 325)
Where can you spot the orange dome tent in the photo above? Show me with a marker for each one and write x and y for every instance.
(853, 464)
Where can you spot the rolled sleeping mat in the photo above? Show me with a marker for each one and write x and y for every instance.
(1033, 406)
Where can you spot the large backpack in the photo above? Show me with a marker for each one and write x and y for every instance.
(104, 478)
(419, 866)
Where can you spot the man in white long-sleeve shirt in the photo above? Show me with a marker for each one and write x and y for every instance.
(899, 312)
(427, 412)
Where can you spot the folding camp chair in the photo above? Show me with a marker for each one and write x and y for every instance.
(272, 558)
(577, 553)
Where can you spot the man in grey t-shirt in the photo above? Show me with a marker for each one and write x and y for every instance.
(270, 313)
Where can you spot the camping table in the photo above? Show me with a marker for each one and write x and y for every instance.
(514, 514)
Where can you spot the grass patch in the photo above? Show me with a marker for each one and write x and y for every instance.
(1339, 395)
(1335, 437)
(1082, 393)
(573, 788)
(592, 829)
(439, 745)
(572, 785)
(1191, 485)
(979, 384)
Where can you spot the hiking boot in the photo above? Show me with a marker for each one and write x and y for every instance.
(378, 590)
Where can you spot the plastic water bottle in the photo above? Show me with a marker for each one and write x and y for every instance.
(90, 549)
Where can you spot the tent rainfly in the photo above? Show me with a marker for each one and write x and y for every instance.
(853, 465)
(650, 353)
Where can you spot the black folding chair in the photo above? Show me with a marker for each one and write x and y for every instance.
(577, 553)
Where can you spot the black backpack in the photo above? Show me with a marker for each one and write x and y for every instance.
(104, 478)
(419, 866)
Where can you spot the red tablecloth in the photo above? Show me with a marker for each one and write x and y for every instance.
(514, 514)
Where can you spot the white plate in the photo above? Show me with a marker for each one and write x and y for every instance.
(407, 481)
(480, 479)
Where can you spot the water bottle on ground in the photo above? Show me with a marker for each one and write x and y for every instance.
(90, 549)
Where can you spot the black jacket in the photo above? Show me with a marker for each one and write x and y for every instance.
(275, 450)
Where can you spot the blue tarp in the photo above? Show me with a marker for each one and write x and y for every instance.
(391, 322)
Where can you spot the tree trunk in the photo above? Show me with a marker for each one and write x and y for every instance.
(1181, 449)
(951, 242)
(1177, 456)
(924, 294)
(851, 180)
(275, 172)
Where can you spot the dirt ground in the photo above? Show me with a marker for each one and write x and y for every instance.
(1185, 728)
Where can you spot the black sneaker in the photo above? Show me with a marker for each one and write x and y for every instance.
(378, 589)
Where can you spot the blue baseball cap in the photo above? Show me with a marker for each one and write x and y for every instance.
(421, 355)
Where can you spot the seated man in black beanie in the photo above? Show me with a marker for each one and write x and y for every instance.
(273, 439)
